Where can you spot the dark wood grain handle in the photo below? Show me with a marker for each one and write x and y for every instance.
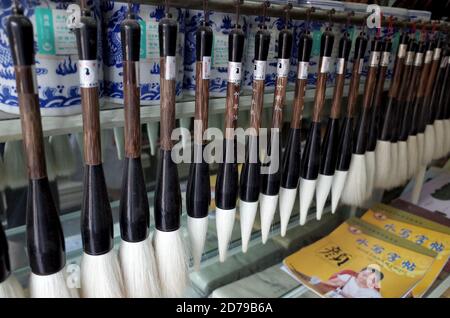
(397, 77)
(201, 103)
(353, 89)
(279, 100)
(413, 86)
(30, 117)
(91, 125)
(231, 109)
(299, 103)
(167, 108)
(431, 78)
(319, 98)
(423, 80)
(132, 109)
(369, 88)
(256, 106)
(379, 90)
(335, 112)
(406, 78)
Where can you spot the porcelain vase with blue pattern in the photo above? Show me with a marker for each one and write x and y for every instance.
(56, 58)
(148, 17)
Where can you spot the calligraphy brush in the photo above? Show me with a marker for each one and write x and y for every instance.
(227, 175)
(311, 155)
(355, 189)
(376, 115)
(136, 255)
(399, 173)
(169, 246)
(346, 135)
(9, 286)
(45, 239)
(330, 142)
(290, 166)
(198, 194)
(100, 271)
(383, 149)
(250, 174)
(408, 121)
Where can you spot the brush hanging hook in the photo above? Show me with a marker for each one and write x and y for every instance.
(347, 22)
(330, 17)
(206, 12)
(130, 9)
(308, 17)
(287, 8)
(363, 23)
(167, 8)
(391, 27)
(238, 11)
(264, 5)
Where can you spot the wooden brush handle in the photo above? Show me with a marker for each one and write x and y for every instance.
(256, 106)
(279, 100)
(299, 103)
(431, 77)
(413, 87)
(369, 88)
(201, 103)
(167, 108)
(31, 121)
(423, 80)
(406, 81)
(353, 89)
(231, 109)
(132, 111)
(335, 112)
(91, 126)
(399, 66)
(319, 98)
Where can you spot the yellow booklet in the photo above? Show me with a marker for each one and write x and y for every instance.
(421, 231)
(359, 260)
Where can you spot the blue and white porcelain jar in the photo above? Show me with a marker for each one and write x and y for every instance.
(317, 27)
(56, 58)
(221, 24)
(148, 17)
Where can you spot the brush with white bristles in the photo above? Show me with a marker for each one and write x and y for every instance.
(250, 179)
(227, 175)
(169, 245)
(45, 239)
(311, 155)
(198, 193)
(101, 275)
(9, 286)
(136, 255)
(290, 167)
(354, 192)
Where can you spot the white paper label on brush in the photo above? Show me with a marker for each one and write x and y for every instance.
(385, 59)
(437, 53)
(303, 70)
(234, 72)
(259, 71)
(419, 59)
(33, 74)
(325, 67)
(444, 62)
(409, 58)
(283, 68)
(361, 65)
(206, 67)
(428, 57)
(401, 51)
(170, 68)
(374, 59)
(340, 63)
(88, 73)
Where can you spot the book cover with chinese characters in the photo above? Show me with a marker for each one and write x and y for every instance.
(359, 260)
(421, 231)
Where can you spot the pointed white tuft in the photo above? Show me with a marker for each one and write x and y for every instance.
(402, 164)
(323, 188)
(354, 193)
(287, 201)
(171, 258)
(428, 150)
(370, 168)
(101, 276)
(439, 137)
(382, 163)
(418, 183)
(413, 156)
(392, 181)
(11, 288)
(140, 275)
(307, 189)
(197, 230)
(247, 213)
(337, 187)
(268, 206)
(51, 286)
(224, 227)
(420, 149)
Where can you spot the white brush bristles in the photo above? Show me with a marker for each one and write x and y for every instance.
(420, 149)
(337, 187)
(428, 150)
(413, 156)
(247, 213)
(152, 134)
(382, 163)
(15, 166)
(402, 164)
(370, 168)
(447, 136)
(11, 288)
(392, 180)
(171, 258)
(139, 272)
(354, 193)
(287, 201)
(268, 206)
(439, 137)
(197, 230)
(101, 276)
(51, 286)
(323, 188)
(307, 189)
(64, 156)
(224, 227)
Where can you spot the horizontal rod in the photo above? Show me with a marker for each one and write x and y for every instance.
(296, 13)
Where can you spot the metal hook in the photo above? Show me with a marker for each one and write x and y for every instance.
(238, 11)
(264, 5)
(205, 11)
(308, 16)
(287, 8)
(167, 8)
(129, 8)
(330, 17)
